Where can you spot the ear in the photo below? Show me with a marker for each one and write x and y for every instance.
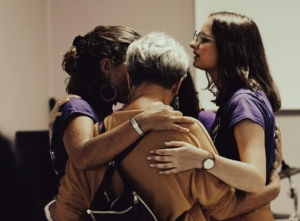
(176, 86)
(128, 81)
(106, 67)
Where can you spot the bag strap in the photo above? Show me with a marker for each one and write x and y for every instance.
(115, 163)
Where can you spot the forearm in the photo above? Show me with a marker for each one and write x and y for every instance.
(247, 202)
(104, 147)
(240, 175)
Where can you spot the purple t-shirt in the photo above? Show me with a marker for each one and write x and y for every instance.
(244, 104)
(207, 118)
(76, 106)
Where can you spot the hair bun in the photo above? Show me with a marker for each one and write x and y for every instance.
(79, 43)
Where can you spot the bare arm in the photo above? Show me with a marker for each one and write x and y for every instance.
(237, 174)
(247, 202)
(88, 152)
(55, 112)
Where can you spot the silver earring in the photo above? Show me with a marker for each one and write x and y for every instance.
(176, 103)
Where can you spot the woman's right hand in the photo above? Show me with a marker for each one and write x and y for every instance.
(55, 112)
(160, 117)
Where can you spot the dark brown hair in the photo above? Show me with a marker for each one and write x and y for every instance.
(83, 64)
(242, 59)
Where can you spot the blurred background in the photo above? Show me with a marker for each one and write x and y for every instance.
(35, 33)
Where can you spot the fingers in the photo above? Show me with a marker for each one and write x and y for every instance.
(160, 158)
(273, 174)
(178, 128)
(162, 165)
(58, 114)
(71, 96)
(174, 144)
(60, 102)
(171, 171)
(181, 119)
(64, 100)
(275, 165)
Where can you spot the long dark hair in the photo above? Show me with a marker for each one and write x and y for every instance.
(188, 97)
(82, 60)
(242, 59)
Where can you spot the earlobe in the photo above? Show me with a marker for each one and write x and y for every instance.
(177, 86)
(105, 67)
(128, 81)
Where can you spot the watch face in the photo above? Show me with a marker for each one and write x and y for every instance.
(208, 164)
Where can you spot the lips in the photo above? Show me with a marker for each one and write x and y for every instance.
(196, 55)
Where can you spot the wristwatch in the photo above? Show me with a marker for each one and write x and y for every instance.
(209, 162)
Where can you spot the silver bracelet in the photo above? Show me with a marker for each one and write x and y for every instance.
(136, 126)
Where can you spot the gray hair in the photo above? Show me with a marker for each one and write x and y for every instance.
(157, 58)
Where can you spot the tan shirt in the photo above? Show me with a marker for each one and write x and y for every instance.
(194, 193)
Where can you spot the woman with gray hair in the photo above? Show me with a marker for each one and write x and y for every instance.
(157, 64)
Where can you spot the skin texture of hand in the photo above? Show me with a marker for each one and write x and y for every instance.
(55, 112)
(183, 156)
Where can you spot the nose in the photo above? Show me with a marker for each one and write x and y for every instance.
(193, 44)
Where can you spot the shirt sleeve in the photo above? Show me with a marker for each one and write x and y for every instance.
(77, 106)
(246, 106)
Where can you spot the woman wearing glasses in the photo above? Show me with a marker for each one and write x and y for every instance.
(230, 49)
(231, 176)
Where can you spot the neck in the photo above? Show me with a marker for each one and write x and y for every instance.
(214, 76)
(147, 93)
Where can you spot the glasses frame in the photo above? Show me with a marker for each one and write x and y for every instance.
(199, 36)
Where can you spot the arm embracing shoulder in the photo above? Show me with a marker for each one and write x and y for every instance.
(217, 198)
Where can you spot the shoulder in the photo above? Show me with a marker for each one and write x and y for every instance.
(249, 104)
(197, 136)
(79, 106)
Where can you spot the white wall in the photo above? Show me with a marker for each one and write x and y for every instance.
(278, 22)
(24, 67)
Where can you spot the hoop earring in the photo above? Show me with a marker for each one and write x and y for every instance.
(176, 103)
(108, 93)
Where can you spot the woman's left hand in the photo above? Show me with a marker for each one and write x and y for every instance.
(278, 149)
(183, 156)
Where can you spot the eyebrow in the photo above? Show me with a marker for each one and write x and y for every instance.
(205, 35)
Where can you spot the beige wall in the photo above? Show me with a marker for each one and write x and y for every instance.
(34, 34)
(24, 66)
(70, 18)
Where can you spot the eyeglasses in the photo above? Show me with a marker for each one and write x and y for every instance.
(199, 36)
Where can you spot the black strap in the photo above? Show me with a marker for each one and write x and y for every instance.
(115, 163)
(125, 152)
